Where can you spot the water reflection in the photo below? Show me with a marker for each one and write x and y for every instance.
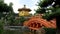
(20, 30)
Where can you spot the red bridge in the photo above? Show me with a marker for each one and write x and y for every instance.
(36, 22)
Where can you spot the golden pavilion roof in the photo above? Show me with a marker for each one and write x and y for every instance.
(24, 8)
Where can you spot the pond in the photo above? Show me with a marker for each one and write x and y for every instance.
(25, 30)
(18, 30)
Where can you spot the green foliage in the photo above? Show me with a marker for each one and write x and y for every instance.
(3, 7)
(54, 14)
(45, 3)
(50, 31)
(43, 6)
(22, 19)
(10, 7)
(40, 11)
(15, 21)
(55, 10)
(1, 26)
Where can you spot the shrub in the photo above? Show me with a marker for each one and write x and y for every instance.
(1, 26)
(50, 31)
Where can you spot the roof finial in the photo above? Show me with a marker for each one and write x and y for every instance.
(24, 6)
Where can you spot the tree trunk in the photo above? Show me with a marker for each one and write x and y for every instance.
(58, 24)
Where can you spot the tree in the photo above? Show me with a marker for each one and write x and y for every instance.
(10, 18)
(41, 11)
(4, 9)
(55, 11)
(52, 4)
(22, 19)
(4, 12)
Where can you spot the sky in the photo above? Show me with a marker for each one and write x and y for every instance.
(20, 3)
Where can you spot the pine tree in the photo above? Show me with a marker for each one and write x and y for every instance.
(55, 11)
